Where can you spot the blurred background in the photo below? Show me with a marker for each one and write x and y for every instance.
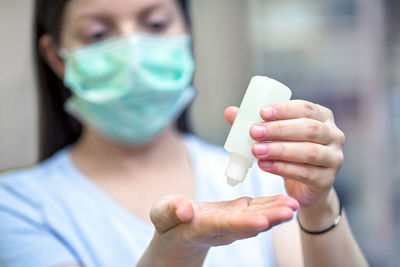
(344, 54)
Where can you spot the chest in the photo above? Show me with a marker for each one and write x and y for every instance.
(138, 195)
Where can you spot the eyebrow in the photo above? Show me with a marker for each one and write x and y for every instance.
(95, 16)
(107, 16)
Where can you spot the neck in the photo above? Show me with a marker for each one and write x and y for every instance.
(93, 149)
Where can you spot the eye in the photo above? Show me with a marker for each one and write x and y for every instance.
(157, 20)
(97, 32)
(157, 26)
(98, 36)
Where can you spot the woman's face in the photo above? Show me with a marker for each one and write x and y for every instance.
(90, 21)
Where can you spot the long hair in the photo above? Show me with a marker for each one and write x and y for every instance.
(58, 128)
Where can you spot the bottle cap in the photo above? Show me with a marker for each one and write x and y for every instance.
(237, 170)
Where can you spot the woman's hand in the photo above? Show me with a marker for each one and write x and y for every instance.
(299, 141)
(185, 229)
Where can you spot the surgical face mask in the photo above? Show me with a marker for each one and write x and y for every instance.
(131, 88)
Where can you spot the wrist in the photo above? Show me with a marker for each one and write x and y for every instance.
(163, 252)
(321, 215)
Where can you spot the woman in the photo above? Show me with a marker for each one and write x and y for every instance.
(123, 69)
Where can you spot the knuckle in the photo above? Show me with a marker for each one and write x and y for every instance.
(281, 197)
(313, 154)
(305, 173)
(278, 149)
(280, 129)
(281, 169)
(278, 197)
(340, 159)
(312, 130)
(241, 201)
(332, 157)
(341, 137)
(309, 109)
(328, 112)
(276, 129)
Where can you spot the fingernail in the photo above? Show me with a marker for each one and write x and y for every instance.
(260, 149)
(268, 113)
(258, 131)
(266, 164)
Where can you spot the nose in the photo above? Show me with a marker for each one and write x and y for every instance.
(127, 27)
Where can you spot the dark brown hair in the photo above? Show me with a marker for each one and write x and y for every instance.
(57, 128)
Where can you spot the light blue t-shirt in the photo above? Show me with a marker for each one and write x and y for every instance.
(52, 215)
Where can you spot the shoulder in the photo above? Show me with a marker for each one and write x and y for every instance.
(41, 172)
(25, 191)
(25, 197)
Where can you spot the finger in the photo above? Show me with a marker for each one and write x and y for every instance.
(295, 109)
(260, 222)
(239, 203)
(304, 173)
(214, 205)
(230, 221)
(170, 211)
(304, 130)
(247, 202)
(261, 203)
(266, 200)
(230, 114)
(278, 215)
(245, 221)
(298, 152)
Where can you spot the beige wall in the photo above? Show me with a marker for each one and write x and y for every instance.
(224, 69)
(224, 63)
(17, 94)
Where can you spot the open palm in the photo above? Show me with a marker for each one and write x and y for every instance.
(179, 219)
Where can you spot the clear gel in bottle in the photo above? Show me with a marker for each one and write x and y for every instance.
(262, 91)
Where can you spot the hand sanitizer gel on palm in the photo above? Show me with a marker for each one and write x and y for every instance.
(262, 91)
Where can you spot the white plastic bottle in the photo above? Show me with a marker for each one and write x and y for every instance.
(262, 91)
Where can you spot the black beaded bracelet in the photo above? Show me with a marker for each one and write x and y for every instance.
(336, 222)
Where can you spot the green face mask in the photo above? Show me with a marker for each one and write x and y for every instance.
(131, 88)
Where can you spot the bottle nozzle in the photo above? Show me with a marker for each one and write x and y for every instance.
(237, 169)
(232, 182)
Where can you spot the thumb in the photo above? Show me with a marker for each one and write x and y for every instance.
(230, 114)
(170, 211)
